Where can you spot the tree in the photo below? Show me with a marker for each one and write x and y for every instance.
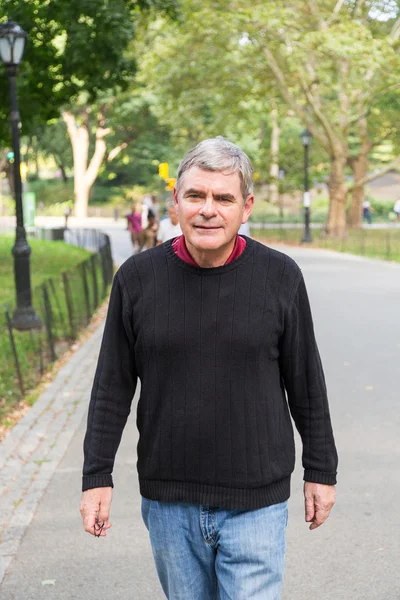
(76, 49)
(331, 65)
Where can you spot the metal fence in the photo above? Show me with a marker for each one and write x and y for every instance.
(372, 242)
(64, 304)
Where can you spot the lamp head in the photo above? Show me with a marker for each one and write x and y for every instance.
(306, 137)
(12, 43)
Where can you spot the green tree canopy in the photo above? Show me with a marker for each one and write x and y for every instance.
(73, 46)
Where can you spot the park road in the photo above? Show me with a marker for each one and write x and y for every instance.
(354, 556)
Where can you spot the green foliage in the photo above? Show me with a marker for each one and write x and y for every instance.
(74, 46)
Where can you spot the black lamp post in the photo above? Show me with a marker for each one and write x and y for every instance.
(306, 138)
(12, 45)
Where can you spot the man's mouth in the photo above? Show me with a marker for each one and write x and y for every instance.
(206, 227)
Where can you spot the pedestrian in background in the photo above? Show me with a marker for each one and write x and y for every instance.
(148, 234)
(367, 211)
(218, 328)
(396, 209)
(152, 204)
(135, 225)
(169, 227)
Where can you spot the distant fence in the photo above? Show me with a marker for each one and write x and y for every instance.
(369, 241)
(64, 304)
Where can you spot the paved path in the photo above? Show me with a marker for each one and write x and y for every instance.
(352, 557)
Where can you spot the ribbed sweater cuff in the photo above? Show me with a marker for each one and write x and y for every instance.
(319, 477)
(96, 481)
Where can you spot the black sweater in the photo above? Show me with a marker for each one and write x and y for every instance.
(214, 350)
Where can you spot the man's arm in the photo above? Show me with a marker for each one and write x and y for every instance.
(113, 389)
(307, 396)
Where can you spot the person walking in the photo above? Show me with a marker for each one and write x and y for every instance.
(135, 225)
(169, 227)
(367, 211)
(218, 328)
(148, 234)
(396, 209)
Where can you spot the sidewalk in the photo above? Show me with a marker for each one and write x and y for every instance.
(40, 485)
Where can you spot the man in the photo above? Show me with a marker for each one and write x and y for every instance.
(216, 326)
(169, 228)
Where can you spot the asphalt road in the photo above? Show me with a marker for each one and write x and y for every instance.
(354, 556)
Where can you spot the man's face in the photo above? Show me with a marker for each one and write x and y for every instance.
(210, 208)
(172, 215)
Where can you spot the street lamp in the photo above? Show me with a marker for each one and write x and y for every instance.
(12, 45)
(306, 138)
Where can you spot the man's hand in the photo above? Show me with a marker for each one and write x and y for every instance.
(95, 510)
(319, 500)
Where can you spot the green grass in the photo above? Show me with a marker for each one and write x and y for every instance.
(373, 243)
(47, 260)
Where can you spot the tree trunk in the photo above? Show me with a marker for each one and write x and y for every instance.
(273, 191)
(62, 169)
(336, 222)
(84, 174)
(360, 168)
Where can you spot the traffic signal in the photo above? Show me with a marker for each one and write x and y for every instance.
(163, 170)
(10, 157)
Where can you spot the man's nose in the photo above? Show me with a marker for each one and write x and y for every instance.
(208, 208)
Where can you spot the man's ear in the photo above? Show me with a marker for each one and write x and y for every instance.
(176, 198)
(248, 207)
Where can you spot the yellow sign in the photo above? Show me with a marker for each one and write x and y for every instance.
(171, 182)
(163, 170)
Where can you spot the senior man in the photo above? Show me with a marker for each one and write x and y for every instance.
(218, 329)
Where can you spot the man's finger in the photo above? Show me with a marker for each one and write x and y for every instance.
(321, 515)
(310, 511)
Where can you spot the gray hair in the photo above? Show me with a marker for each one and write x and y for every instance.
(218, 154)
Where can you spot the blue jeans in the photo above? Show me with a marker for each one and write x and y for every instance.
(205, 553)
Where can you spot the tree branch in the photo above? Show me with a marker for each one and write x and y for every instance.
(390, 167)
(291, 100)
(333, 142)
(99, 150)
(115, 151)
(70, 121)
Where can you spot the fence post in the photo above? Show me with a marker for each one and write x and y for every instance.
(103, 270)
(109, 261)
(86, 290)
(15, 354)
(41, 365)
(68, 300)
(94, 276)
(53, 290)
(48, 318)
